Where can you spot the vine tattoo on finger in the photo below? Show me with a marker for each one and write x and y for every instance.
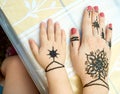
(97, 67)
(53, 54)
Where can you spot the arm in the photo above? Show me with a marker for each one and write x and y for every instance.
(58, 82)
(51, 56)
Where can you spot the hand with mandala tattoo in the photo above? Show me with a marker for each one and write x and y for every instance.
(90, 53)
(51, 56)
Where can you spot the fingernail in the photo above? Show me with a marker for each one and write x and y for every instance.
(89, 8)
(96, 8)
(73, 31)
(110, 25)
(102, 14)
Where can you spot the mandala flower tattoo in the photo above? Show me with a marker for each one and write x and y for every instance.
(97, 67)
(53, 54)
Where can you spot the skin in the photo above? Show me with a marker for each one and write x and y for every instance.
(17, 80)
(91, 41)
(52, 36)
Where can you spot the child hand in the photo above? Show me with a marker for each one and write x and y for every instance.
(51, 53)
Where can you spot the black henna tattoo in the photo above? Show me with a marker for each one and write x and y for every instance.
(102, 34)
(53, 54)
(89, 12)
(97, 67)
(74, 39)
(96, 24)
(89, 9)
(110, 28)
(109, 43)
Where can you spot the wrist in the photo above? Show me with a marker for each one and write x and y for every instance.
(89, 82)
(55, 66)
(58, 81)
(56, 73)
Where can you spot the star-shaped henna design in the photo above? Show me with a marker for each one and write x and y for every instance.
(53, 54)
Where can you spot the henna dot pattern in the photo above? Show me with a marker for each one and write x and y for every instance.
(53, 54)
(97, 67)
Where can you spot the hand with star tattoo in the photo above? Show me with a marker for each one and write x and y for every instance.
(51, 56)
(52, 46)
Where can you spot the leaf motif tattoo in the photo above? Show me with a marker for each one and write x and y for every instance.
(97, 67)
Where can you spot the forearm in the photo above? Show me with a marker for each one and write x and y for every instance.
(58, 82)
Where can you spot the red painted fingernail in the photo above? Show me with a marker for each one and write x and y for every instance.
(110, 25)
(73, 31)
(102, 14)
(89, 8)
(96, 8)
